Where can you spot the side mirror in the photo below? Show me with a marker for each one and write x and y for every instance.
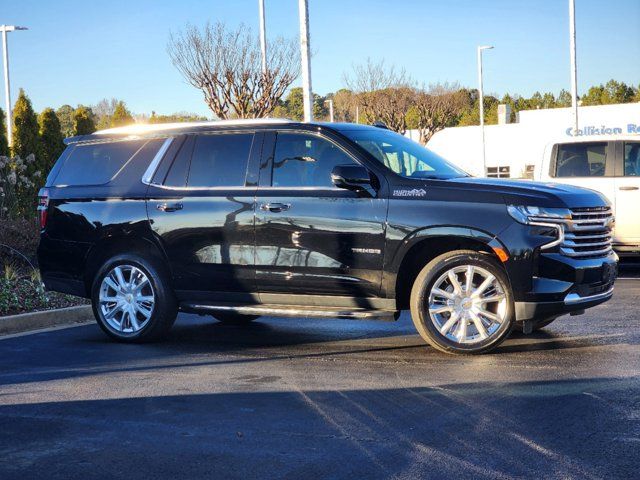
(352, 177)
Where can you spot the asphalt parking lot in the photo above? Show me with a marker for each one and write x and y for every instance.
(296, 398)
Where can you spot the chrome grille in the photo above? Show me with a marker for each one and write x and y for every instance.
(588, 234)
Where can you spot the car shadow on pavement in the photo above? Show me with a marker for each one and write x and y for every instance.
(556, 429)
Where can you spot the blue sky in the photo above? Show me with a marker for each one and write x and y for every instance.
(80, 51)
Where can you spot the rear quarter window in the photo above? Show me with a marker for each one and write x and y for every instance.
(96, 164)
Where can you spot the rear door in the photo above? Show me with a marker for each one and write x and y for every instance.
(627, 192)
(201, 207)
(311, 237)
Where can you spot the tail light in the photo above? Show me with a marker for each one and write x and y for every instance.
(43, 205)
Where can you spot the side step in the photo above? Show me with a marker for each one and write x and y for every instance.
(292, 311)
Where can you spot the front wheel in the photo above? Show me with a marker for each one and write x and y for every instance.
(461, 302)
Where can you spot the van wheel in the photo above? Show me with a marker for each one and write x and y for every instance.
(538, 324)
(132, 300)
(235, 318)
(461, 302)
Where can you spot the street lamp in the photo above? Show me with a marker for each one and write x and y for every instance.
(481, 103)
(7, 94)
(263, 38)
(305, 58)
(574, 67)
(330, 102)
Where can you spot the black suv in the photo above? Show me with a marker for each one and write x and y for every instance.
(239, 219)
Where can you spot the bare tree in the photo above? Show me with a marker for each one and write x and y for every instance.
(438, 107)
(226, 65)
(383, 93)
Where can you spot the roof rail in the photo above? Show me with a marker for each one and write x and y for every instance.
(138, 128)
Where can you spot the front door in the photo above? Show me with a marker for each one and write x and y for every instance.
(628, 195)
(312, 237)
(202, 212)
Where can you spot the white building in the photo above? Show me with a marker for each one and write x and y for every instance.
(515, 149)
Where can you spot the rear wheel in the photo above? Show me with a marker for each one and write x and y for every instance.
(235, 318)
(461, 302)
(132, 300)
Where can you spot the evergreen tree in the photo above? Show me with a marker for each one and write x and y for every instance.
(65, 116)
(4, 144)
(51, 140)
(25, 127)
(83, 121)
(564, 99)
(121, 116)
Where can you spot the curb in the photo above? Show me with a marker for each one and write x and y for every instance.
(44, 319)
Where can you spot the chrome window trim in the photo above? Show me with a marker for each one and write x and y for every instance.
(153, 166)
(243, 187)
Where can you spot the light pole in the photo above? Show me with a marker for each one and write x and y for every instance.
(7, 86)
(574, 67)
(330, 102)
(263, 38)
(307, 97)
(481, 104)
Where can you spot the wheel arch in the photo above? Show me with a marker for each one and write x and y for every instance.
(422, 246)
(110, 246)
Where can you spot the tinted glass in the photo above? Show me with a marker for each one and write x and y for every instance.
(632, 160)
(402, 155)
(306, 161)
(220, 160)
(96, 164)
(177, 175)
(581, 160)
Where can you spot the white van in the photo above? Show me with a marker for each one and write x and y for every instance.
(608, 164)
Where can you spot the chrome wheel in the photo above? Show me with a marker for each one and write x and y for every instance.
(126, 299)
(468, 304)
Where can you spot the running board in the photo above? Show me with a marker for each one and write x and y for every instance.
(292, 311)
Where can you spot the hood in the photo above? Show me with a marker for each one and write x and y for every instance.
(542, 194)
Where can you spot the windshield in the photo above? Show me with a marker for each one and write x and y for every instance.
(402, 155)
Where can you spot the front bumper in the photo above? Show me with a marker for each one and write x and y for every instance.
(563, 285)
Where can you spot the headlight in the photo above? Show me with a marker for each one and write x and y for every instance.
(554, 218)
(533, 215)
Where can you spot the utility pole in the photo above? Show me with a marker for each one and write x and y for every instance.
(7, 85)
(263, 38)
(307, 96)
(481, 104)
(330, 102)
(574, 66)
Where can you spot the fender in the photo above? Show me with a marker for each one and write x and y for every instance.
(454, 231)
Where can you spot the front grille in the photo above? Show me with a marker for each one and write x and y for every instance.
(588, 233)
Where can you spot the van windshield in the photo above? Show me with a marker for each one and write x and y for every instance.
(402, 155)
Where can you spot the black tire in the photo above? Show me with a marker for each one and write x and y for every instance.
(421, 291)
(165, 307)
(538, 324)
(235, 318)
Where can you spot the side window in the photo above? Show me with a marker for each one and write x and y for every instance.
(632, 159)
(220, 160)
(177, 175)
(97, 163)
(302, 160)
(581, 160)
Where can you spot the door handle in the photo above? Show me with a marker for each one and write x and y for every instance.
(169, 207)
(275, 207)
(629, 188)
